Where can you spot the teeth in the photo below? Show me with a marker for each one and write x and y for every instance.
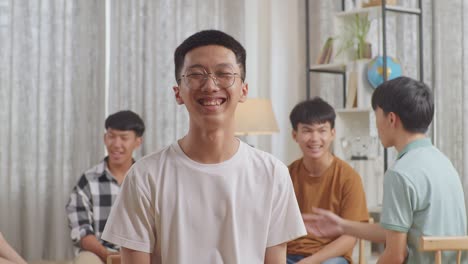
(211, 102)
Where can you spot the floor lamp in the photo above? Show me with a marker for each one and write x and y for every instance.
(255, 117)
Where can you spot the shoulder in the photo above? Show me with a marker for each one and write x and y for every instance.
(295, 164)
(261, 159)
(345, 170)
(92, 174)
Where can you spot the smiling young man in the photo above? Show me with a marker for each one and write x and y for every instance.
(207, 198)
(423, 195)
(91, 199)
(322, 180)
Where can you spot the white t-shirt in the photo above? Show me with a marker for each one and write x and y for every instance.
(183, 211)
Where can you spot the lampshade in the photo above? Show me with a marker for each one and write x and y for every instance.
(255, 117)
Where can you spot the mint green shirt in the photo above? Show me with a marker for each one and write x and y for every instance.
(423, 196)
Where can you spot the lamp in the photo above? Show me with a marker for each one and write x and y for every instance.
(255, 117)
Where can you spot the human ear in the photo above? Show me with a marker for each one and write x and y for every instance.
(178, 98)
(244, 91)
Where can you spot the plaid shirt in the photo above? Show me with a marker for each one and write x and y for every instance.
(90, 203)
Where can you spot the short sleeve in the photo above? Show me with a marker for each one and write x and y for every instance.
(132, 218)
(353, 203)
(398, 200)
(286, 222)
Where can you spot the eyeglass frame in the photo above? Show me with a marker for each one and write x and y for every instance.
(212, 76)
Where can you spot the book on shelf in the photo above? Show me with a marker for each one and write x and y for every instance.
(351, 97)
(326, 52)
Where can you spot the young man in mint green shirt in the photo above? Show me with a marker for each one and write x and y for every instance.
(423, 195)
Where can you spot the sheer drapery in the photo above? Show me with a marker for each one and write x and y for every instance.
(51, 116)
(52, 97)
(144, 35)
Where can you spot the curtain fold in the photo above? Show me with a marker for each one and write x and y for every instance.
(144, 35)
(51, 111)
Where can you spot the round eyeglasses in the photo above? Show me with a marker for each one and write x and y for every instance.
(196, 77)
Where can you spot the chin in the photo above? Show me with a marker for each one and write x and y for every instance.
(315, 156)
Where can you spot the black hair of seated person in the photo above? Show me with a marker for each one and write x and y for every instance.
(126, 120)
(312, 111)
(410, 99)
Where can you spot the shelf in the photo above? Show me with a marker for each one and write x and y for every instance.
(376, 11)
(401, 9)
(329, 68)
(353, 110)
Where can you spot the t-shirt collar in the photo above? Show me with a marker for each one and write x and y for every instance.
(418, 143)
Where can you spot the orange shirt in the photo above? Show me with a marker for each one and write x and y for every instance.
(339, 190)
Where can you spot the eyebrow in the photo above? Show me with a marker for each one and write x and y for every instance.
(318, 126)
(201, 66)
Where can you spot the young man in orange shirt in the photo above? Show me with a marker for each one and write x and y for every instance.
(322, 180)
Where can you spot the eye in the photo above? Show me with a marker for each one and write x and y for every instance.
(224, 75)
(196, 75)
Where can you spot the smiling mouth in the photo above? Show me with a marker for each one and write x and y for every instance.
(314, 148)
(211, 102)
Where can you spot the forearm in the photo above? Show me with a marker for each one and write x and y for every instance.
(387, 258)
(92, 244)
(336, 248)
(366, 231)
(276, 254)
(130, 256)
(7, 253)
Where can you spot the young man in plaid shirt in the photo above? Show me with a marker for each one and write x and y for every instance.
(91, 199)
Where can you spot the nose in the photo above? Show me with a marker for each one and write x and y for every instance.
(211, 84)
(117, 142)
(314, 136)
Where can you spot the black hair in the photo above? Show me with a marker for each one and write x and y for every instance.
(411, 100)
(205, 38)
(126, 120)
(312, 111)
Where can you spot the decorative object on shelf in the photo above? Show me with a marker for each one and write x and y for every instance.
(369, 3)
(359, 91)
(255, 117)
(355, 35)
(375, 70)
(360, 147)
(326, 52)
(351, 96)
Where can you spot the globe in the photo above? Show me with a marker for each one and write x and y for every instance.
(375, 70)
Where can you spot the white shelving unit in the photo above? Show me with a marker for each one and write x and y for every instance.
(356, 133)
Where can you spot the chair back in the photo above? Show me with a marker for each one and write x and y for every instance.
(439, 244)
(113, 259)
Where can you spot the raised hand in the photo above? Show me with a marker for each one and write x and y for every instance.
(323, 223)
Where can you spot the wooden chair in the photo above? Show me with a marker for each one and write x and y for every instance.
(439, 244)
(362, 258)
(113, 259)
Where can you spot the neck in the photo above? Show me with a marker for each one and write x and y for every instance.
(405, 138)
(209, 146)
(119, 170)
(316, 167)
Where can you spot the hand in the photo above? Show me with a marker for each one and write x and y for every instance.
(323, 223)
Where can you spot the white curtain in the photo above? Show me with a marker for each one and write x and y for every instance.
(51, 116)
(450, 57)
(52, 97)
(144, 35)
(275, 44)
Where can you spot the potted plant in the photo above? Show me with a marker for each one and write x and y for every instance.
(355, 35)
